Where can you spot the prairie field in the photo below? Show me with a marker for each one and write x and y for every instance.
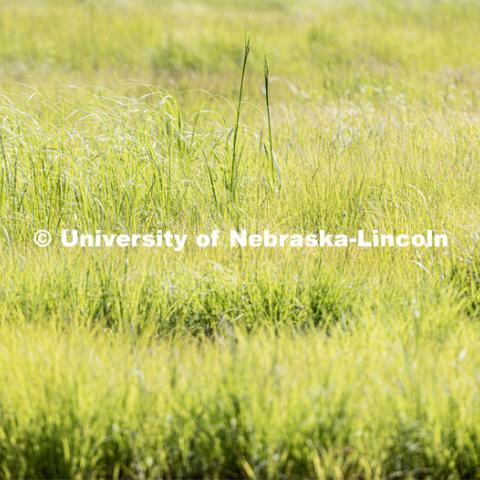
(259, 363)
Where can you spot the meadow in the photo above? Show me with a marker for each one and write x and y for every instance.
(139, 116)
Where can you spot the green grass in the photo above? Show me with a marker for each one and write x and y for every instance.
(246, 363)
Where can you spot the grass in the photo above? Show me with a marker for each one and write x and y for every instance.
(105, 406)
(256, 363)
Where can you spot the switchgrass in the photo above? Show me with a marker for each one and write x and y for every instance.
(255, 363)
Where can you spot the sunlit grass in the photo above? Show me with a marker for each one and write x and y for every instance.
(255, 363)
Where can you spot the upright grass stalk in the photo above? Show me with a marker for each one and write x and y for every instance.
(235, 156)
(275, 167)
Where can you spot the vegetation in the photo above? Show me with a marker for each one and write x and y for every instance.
(247, 363)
